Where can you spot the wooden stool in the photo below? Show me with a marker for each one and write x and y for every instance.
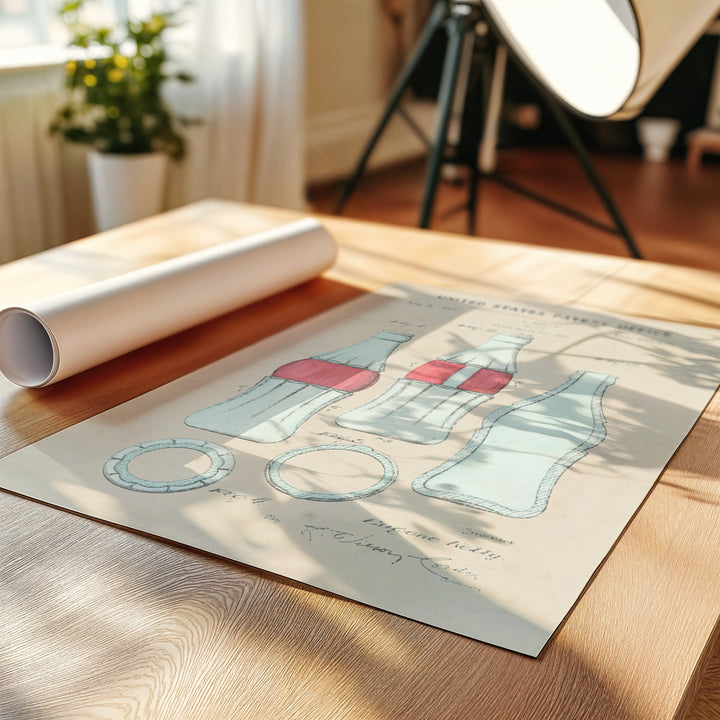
(701, 141)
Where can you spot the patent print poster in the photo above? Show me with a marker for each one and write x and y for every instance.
(463, 461)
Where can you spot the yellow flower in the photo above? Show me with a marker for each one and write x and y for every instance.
(89, 64)
(120, 61)
(90, 80)
(155, 24)
(71, 66)
(115, 75)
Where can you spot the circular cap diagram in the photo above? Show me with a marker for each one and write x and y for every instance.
(117, 471)
(274, 475)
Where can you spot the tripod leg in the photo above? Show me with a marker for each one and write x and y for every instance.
(577, 145)
(434, 21)
(482, 128)
(473, 192)
(493, 110)
(456, 27)
(463, 84)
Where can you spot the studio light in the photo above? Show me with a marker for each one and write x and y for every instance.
(602, 58)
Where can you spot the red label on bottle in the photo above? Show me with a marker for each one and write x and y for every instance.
(486, 381)
(327, 374)
(435, 371)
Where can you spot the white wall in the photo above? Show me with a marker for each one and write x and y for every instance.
(353, 54)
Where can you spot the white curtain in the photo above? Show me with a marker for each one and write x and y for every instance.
(32, 213)
(248, 60)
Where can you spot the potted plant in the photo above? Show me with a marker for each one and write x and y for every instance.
(115, 106)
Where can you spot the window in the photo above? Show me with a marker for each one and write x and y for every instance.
(23, 23)
(32, 34)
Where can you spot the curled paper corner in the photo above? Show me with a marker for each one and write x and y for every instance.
(50, 339)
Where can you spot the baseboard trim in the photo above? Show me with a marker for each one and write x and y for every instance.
(334, 140)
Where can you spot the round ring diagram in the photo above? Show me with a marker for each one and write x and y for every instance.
(274, 475)
(116, 468)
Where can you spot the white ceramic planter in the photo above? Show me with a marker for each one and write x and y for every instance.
(657, 135)
(126, 187)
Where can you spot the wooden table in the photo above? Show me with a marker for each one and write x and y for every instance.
(98, 622)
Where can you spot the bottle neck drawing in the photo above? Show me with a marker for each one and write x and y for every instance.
(511, 465)
(274, 408)
(424, 406)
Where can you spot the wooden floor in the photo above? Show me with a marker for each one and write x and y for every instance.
(673, 213)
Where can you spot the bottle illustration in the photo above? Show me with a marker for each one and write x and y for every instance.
(511, 464)
(424, 406)
(274, 408)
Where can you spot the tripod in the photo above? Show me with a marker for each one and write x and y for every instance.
(460, 18)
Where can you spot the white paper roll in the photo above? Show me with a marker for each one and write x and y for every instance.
(50, 339)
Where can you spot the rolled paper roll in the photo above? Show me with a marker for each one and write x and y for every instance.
(53, 338)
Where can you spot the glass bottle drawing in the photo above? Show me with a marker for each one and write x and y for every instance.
(274, 408)
(424, 406)
(511, 464)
